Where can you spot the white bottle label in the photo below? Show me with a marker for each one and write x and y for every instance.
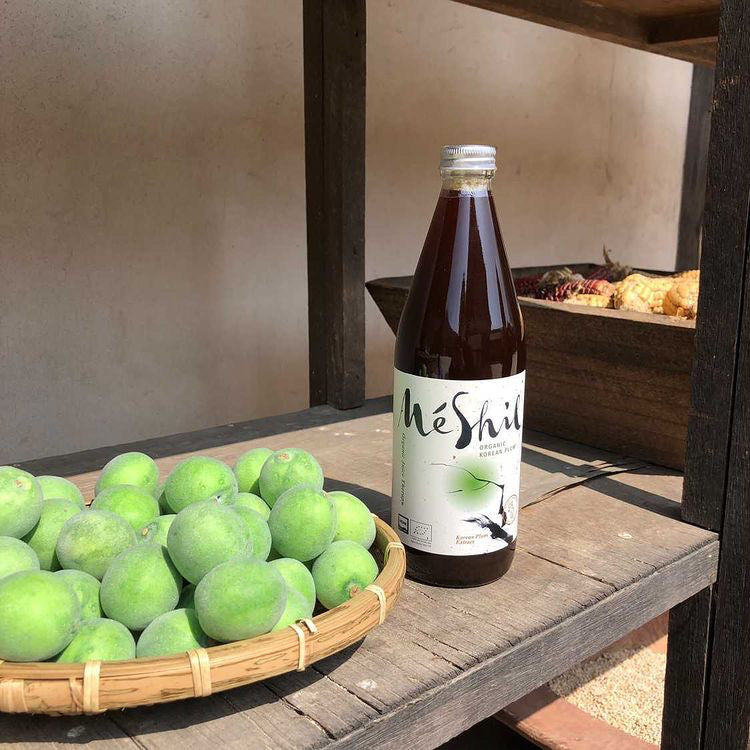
(457, 462)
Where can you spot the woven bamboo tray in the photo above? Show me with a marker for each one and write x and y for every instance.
(95, 687)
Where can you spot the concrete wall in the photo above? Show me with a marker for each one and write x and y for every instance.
(152, 238)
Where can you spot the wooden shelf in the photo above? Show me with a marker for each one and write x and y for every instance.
(686, 29)
(594, 561)
(593, 374)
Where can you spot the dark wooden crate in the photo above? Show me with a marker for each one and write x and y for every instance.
(612, 379)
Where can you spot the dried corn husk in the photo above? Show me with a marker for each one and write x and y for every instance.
(559, 276)
(611, 270)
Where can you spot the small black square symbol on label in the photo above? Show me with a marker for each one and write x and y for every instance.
(403, 524)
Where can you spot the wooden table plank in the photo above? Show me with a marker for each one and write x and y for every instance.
(205, 439)
(442, 713)
(594, 561)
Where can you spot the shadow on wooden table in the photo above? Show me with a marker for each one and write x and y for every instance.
(619, 486)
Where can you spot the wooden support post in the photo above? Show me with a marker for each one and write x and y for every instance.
(717, 473)
(723, 266)
(684, 699)
(694, 169)
(334, 58)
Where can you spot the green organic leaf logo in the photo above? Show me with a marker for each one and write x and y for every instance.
(473, 486)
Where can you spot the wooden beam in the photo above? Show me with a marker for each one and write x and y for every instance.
(694, 28)
(728, 709)
(723, 263)
(578, 16)
(717, 475)
(694, 169)
(599, 22)
(334, 59)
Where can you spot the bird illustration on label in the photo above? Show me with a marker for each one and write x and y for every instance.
(507, 509)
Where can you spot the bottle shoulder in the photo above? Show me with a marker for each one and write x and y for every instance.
(461, 318)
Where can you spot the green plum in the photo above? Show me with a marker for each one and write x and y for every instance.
(43, 537)
(15, 556)
(296, 609)
(133, 468)
(353, 519)
(247, 469)
(20, 502)
(206, 534)
(199, 478)
(99, 639)
(53, 487)
(240, 599)
(302, 523)
(297, 576)
(172, 633)
(86, 589)
(248, 500)
(135, 504)
(39, 615)
(343, 570)
(139, 585)
(286, 469)
(90, 541)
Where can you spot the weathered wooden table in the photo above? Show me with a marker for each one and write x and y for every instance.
(595, 560)
(707, 692)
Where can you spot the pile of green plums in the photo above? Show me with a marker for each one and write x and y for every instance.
(211, 555)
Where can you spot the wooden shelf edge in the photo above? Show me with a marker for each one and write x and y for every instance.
(690, 37)
(695, 28)
(494, 683)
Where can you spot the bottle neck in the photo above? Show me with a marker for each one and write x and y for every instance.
(469, 182)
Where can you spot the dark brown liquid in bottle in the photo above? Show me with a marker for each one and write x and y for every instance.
(461, 322)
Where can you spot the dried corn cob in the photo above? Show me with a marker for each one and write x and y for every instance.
(559, 292)
(526, 286)
(653, 282)
(630, 300)
(695, 274)
(640, 293)
(591, 300)
(682, 299)
(597, 286)
(558, 285)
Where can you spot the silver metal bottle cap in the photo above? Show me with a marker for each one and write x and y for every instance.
(467, 158)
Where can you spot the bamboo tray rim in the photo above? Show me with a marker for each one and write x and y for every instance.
(94, 687)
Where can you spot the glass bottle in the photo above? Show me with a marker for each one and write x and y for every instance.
(458, 388)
